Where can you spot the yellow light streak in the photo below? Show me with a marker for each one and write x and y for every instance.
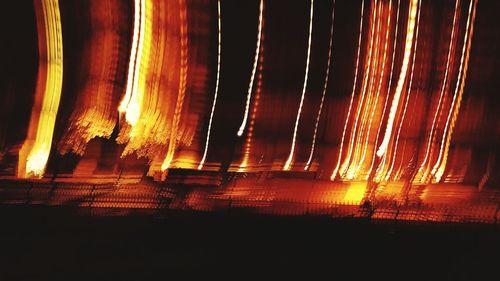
(336, 169)
(402, 78)
(288, 162)
(325, 85)
(207, 140)
(35, 152)
(440, 165)
(254, 69)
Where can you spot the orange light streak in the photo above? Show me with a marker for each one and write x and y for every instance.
(347, 162)
(288, 162)
(216, 92)
(441, 95)
(395, 150)
(335, 171)
(440, 165)
(251, 126)
(174, 132)
(402, 78)
(35, 151)
(387, 93)
(254, 69)
(325, 85)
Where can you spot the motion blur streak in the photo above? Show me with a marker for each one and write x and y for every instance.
(35, 151)
(207, 139)
(440, 165)
(288, 162)
(258, 92)
(175, 137)
(325, 85)
(402, 78)
(387, 93)
(336, 169)
(423, 175)
(409, 91)
(254, 69)
(97, 97)
(346, 170)
(131, 103)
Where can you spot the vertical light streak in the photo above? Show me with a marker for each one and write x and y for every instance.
(402, 77)
(133, 66)
(207, 140)
(377, 177)
(253, 115)
(364, 83)
(395, 150)
(386, 44)
(357, 162)
(132, 106)
(325, 85)
(336, 169)
(304, 87)
(174, 132)
(441, 95)
(440, 165)
(254, 69)
(37, 146)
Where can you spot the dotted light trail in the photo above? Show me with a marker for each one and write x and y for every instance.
(335, 171)
(254, 69)
(207, 140)
(304, 87)
(325, 85)
(440, 165)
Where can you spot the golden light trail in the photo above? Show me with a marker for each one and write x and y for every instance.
(387, 93)
(325, 85)
(440, 165)
(183, 70)
(336, 169)
(304, 87)
(134, 94)
(395, 149)
(251, 126)
(357, 163)
(133, 67)
(424, 175)
(346, 166)
(254, 69)
(402, 78)
(207, 140)
(35, 151)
